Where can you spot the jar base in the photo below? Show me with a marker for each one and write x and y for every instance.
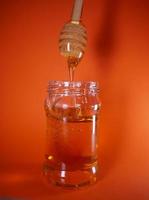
(71, 179)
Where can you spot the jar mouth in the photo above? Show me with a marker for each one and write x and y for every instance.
(73, 87)
(73, 83)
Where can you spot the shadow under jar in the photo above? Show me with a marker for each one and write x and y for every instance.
(72, 110)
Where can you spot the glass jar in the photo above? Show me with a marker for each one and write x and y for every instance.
(72, 111)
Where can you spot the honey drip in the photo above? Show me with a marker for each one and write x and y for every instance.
(72, 64)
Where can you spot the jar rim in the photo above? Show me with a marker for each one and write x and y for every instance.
(73, 83)
(73, 87)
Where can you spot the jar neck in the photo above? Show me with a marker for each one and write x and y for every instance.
(73, 88)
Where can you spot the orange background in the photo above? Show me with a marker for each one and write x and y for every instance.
(116, 56)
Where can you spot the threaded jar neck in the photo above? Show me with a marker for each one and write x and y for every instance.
(73, 88)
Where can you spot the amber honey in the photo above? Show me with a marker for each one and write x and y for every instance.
(71, 137)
